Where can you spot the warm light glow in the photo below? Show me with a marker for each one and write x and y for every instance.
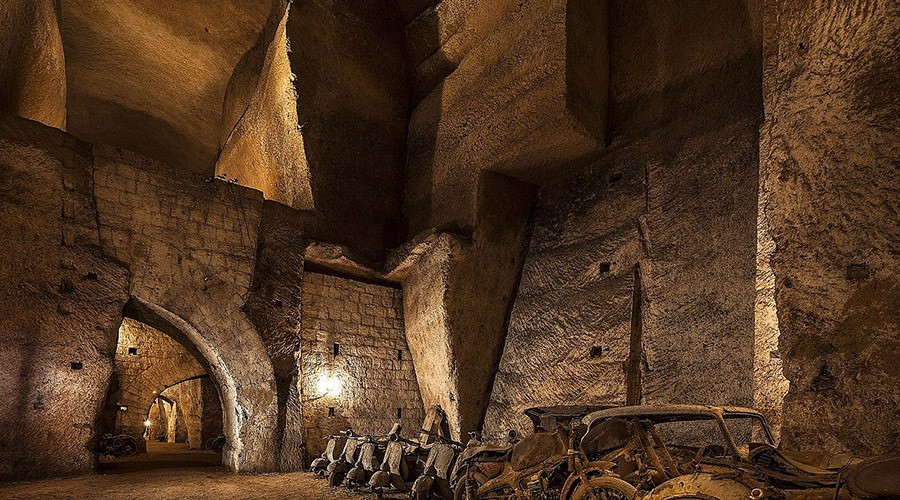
(147, 423)
(329, 385)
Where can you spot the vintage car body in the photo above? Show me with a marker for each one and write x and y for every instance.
(725, 463)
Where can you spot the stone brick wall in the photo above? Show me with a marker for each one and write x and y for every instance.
(191, 248)
(211, 422)
(157, 363)
(374, 364)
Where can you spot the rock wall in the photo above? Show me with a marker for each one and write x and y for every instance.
(188, 395)
(147, 363)
(353, 331)
(262, 145)
(675, 194)
(151, 77)
(61, 304)
(211, 424)
(527, 95)
(352, 108)
(274, 308)
(830, 191)
(32, 70)
(457, 296)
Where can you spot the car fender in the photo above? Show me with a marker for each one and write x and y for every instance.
(706, 486)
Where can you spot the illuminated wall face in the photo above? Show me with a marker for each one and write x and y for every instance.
(357, 370)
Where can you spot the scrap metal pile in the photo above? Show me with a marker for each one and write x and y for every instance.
(661, 452)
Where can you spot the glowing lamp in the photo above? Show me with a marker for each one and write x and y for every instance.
(147, 423)
(329, 385)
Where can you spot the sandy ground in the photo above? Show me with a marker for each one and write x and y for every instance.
(171, 471)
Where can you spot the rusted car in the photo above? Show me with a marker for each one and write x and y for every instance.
(545, 465)
(693, 451)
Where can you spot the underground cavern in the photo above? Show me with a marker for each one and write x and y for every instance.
(458, 249)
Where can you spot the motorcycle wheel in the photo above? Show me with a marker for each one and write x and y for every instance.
(460, 492)
(604, 488)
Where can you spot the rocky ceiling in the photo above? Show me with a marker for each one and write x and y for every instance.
(151, 75)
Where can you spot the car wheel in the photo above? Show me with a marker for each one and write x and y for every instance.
(603, 488)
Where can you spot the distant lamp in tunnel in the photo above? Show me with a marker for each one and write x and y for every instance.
(147, 423)
(329, 385)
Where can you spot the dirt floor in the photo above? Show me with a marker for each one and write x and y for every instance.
(171, 471)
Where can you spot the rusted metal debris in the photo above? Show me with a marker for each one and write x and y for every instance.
(648, 452)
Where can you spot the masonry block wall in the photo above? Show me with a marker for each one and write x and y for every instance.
(211, 424)
(354, 331)
(191, 248)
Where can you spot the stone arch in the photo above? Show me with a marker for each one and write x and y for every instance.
(147, 362)
(242, 374)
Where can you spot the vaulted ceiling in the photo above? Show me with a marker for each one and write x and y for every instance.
(151, 75)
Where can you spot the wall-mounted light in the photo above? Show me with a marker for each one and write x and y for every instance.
(147, 423)
(123, 408)
(329, 385)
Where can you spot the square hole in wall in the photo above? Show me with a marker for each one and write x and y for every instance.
(615, 178)
(331, 411)
(336, 349)
(597, 351)
(399, 355)
(76, 365)
(605, 267)
(132, 351)
(399, 412)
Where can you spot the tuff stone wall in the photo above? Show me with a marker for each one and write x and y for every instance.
(211, 423)
(188, 395)
(524, 94)
(830, 191)
(675, 193)
(274, 308)
(373, 364)
(157, 363)
(191, 248)
(262, 146)
(32, 69)
(457, 295)
(151, 78)
(61, 304)
(348, 58)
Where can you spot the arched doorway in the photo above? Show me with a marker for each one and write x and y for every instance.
(162, 406)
